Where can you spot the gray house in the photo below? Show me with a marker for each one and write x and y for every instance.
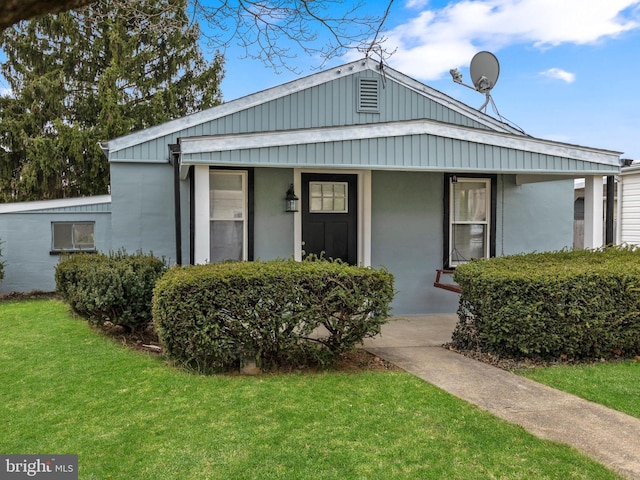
(387, 172)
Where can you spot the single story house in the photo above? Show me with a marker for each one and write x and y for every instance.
(387, 172)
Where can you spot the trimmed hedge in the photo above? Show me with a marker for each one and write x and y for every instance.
(215, 317)
(117, 287)
(570, 304)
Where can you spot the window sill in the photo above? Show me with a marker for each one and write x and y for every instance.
(70, 252)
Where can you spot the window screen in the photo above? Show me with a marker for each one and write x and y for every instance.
(70, 236)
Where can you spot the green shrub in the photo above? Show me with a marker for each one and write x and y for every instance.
(117, 287)
(214, 317)
(579, 304)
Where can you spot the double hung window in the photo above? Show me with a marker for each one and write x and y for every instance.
(470, 219)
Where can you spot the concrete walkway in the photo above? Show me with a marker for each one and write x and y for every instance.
(414, 344)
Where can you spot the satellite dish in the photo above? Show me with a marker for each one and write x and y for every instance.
(484, 71)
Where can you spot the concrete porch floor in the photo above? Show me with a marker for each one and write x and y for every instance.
(413, 343)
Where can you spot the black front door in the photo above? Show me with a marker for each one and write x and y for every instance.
(330, 216)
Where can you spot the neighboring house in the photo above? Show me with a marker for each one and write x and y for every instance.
(388, 171)
(621, 193)
(629, 210)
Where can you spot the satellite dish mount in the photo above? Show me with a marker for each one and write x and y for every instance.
(484, 70)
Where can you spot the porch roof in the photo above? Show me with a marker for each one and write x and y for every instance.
(422, 145)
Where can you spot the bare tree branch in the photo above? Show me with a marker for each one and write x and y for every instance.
(12, 11)
(376, 45)
(272, 31)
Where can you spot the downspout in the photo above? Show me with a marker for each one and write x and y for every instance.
(192, 217)
(608, 236)
(174, 159)
(104, 146)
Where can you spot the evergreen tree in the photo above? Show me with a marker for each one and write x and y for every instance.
(90, 75)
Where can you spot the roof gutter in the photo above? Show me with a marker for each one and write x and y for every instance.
(104, 146)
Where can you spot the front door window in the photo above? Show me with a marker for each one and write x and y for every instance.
(329, 197)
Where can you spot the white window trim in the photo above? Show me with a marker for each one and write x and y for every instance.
(202, 212)
(244, 175)
(201, 207)
(452, 221)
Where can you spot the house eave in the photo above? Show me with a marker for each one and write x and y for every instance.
(531, 176)
(19, 207)
(220, 143)
(451, 102)
(630, 170)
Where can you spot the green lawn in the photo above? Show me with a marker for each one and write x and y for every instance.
(128, 415)
(615, 385)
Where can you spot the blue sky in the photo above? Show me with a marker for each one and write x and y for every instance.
(569, 69)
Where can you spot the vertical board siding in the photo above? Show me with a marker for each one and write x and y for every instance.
(328, 105)
(414, 152)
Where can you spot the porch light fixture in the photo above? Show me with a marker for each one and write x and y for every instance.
(291, 201)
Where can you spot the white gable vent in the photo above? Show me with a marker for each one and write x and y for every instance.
(368, 95)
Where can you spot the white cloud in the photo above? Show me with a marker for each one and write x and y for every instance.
(416, 3)
(438, 39)
(559, 74)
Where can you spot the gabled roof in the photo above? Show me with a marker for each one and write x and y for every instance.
(298, 85)
(277, 128)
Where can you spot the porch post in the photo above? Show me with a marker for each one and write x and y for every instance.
(297, 217)
(611, 195)
(593, 211)
(201, 197)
